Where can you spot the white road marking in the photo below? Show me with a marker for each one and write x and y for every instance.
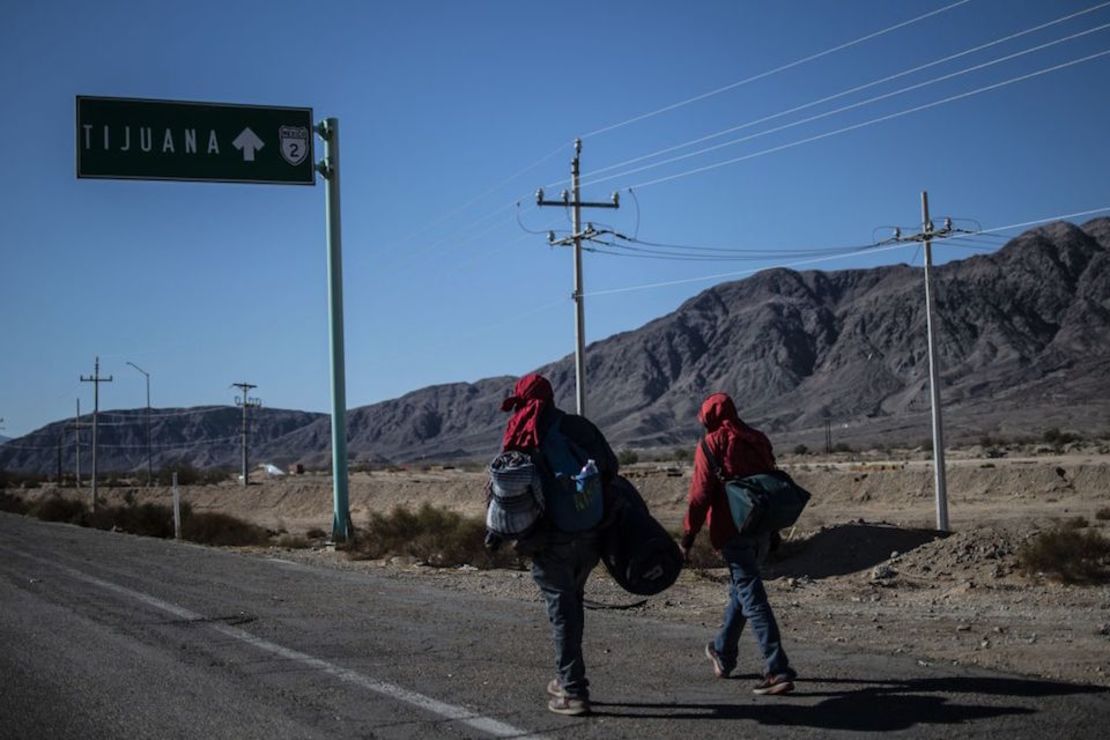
(452, 712)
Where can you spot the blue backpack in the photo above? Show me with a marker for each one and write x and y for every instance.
(572, 492)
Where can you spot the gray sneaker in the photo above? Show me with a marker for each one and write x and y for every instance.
(774, 685)
(569, 705)
(720, 670)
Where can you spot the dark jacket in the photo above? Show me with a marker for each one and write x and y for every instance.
(583, 433)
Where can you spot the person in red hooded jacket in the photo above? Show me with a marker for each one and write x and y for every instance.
(561, 566)
(740, 451)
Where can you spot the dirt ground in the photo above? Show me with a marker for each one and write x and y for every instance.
(864, 567)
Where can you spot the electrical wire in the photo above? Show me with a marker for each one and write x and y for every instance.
(843, 93)
(873, 121)
(546, 157)
(525, 228)
(595, 178)
(477, 198)
(768, 73)
(175, 445)
(650, 114)
(1039, 221)
(647, 253)
(138, 413)
(746, 251)
(636, 230)
(885, 248)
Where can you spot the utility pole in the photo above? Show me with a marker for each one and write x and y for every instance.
(246, 402)
(96, 380)
(576, 239)
(928, 233)
(149, 463)
(77, 444)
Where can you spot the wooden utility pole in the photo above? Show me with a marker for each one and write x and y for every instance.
(578, 296)
(246, 402)
(96, 380)
(928, 233)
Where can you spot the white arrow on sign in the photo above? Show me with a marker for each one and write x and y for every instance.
(248, 142)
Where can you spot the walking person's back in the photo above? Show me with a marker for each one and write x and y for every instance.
(576, 464)
(738, 450)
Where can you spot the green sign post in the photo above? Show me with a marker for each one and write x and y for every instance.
(122, 138)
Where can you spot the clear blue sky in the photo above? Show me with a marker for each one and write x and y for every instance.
(441, 103)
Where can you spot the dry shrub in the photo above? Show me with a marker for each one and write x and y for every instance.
(214, 528)
(57, 509)
(148, 520)
(13, 504)
(1068, 554)
(293, 542)
(703, 556)
(437, 537)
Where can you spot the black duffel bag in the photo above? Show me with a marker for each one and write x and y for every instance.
(637, 551)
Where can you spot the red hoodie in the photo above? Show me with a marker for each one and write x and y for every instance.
(741, 451)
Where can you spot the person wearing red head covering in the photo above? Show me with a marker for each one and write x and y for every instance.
(562, 564)
(531, 396)
(740, 450)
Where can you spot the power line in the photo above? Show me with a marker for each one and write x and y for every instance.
(799, 263)
(650, 114)
(630, 250)
(843, 93)
(477, 198)
(768, 73)
(748, 251)
(169, 414)
(873, 121)
(843, 109)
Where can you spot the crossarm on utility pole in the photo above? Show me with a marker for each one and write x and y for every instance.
(574, 200)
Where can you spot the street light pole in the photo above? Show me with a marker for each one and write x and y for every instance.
(149, 463)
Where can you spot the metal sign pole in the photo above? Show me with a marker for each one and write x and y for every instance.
(328, 129)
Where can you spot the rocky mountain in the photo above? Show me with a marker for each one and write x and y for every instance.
(1023, 341)
(202, 436)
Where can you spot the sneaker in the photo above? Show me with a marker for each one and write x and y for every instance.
(774, 685)
(719, 668)
(569, 705)
(555, 689)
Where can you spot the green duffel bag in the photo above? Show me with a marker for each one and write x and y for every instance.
(761, 503)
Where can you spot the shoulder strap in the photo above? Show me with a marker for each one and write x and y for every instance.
(713, 462)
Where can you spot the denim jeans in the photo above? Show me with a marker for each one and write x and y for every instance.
(747, 602)
(560, 570)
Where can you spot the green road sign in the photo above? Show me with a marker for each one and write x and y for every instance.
(129, 139)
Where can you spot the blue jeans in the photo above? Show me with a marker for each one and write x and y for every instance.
(747, 602)
(561, 570)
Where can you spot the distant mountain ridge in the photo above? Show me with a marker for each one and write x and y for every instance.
(1023, 339)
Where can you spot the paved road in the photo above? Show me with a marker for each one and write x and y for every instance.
(108, 635)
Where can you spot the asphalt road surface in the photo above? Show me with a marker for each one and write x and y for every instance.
(110, 635)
